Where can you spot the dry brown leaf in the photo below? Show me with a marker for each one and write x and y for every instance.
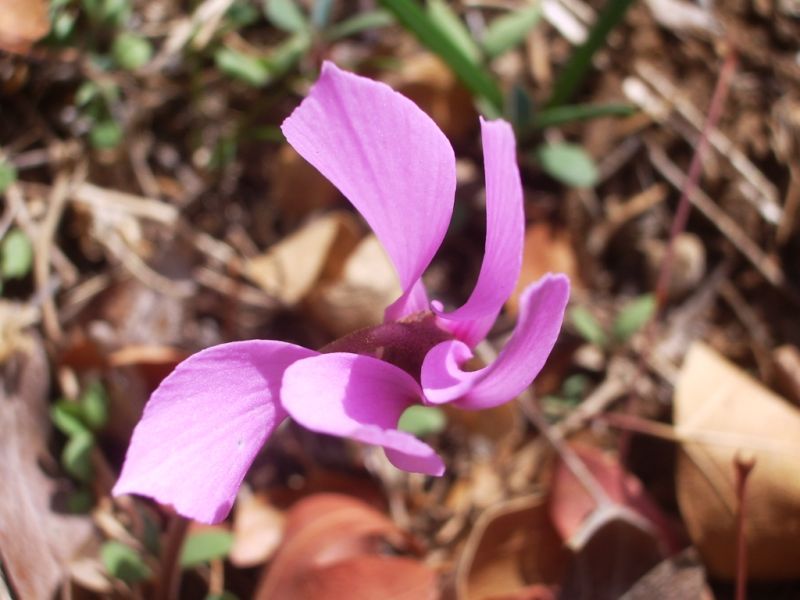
(368, 578)
(22, 22)
(512, 546)
(358, 296)
(547, 250)
(720, 411)
(257, 529)
(323, 530)
(298, 188)
(292, 267)
(36, 543)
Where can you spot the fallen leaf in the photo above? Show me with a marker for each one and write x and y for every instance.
(297, 188)
(22, 22)
(36, 543)
(720, 411)
(369, 577)
(293, 266)
(547, 250)
(257, 529)
(358, 296)
(675, 578)
(321, 531)
(512, 547)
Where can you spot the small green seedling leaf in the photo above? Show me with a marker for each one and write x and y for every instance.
(205, 546)
(422, 420)
(124, 563)
(569, 163)
(587, 326)
(77, 457)
(633, 317)
(373, 19)
(241, 14)
(510, 30)
(68, 418)
(94, 406)
(285, 15)
(131, 51)
(105, 134)
(287, 55)
(559, 115)
(80, 501)
(16, 255)
(249, 69)
(453, 27)
(321, 13)
(8, 175)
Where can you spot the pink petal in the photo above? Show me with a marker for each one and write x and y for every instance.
(505, 232)
(204, 425)
(542, 307)
(361, 398)
(387, 157)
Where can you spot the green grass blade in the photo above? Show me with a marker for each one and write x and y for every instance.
(580, 61)
(509, 30)
(558, 115)
(475, 78)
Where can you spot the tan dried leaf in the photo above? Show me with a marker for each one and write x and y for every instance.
(720, 411)
(22, 22)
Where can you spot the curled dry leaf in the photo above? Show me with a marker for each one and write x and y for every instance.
(512, 552)
(720, 411)
(257, 529)
(292, 267)
(36, 543)
(323, 531)
(22, 22)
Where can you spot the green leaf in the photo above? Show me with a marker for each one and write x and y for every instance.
(63, 26)
(287, 55)
(574, 387)
(204, 546)
(16, 255)
(8, 175)
(579, 112)
(241, 14)
(579, 62)
(476, 78)
(105, 134)
(510, 30)
(131, 51)
(77, 457)
(421, 420)
(285, 15)
(321, 13)
(80, 501)
(94, 406)
(373, 19)
(569, 163)
(453, 27)
(633, 317)
(520, 108)
(249, 69)
(67, 416)
(587, 326)
(124, 563)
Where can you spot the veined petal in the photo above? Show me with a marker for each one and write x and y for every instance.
(204, 425)
(505, 232)
(387, 157)
(361, 398)
(542, 306)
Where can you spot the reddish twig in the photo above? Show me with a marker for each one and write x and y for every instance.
(743, 467)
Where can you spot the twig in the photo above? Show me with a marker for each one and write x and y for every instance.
(169, 583)
(743, 467)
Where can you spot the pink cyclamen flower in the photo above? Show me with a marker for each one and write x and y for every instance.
(208, 419)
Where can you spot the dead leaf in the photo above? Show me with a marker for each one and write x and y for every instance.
(293, 266)
(257, 529)
(547, 250)
(321, 531)
(369, 577)
(36, 543)
(720, 411)
(357, 297)
(22, 22)
(298, 188)
(512, 546)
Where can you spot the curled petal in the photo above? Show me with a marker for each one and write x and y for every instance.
(204, 425)
(505, 232)
(388, 158)
(360, 398)
(542, 306)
